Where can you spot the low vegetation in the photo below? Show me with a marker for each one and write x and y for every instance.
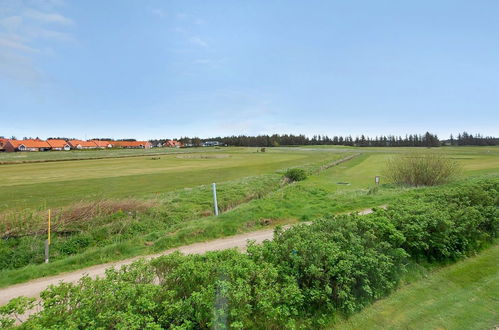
(459, 296)
(139, 224)
(304, 277)
(421, 169)
(84, 225)
(295, 174)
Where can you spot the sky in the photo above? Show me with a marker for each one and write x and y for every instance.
(163, 69)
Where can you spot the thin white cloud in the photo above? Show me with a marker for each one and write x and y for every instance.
(198, 41)
(47, 4)
(23, 31)
(203, 61)
(47, 17)
(11, 23)
(158, 12)
(19, 68)
(16, 43)
(48, 34)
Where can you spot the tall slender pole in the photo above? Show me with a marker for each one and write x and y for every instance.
(47, 241)
(48, 232)
(215, 203)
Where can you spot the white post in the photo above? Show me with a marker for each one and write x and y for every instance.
(215, 203)
(46, 251)
(376, 179)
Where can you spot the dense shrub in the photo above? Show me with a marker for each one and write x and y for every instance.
(448, 224)
(295, 174)
(426, 169)
(341, 264)
(307, 274)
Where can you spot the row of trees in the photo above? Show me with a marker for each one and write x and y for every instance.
(412, 140)
(466, 139)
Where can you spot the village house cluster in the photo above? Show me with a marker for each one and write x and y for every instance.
(11, 145)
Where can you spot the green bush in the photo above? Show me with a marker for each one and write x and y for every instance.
(448, 224)
(343, 263)
(428, 169)
(295, 174)
(305, 276)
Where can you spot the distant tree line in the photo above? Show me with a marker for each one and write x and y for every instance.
(412, 140)
(466, 139)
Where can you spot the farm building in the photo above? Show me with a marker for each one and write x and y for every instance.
(58, 144)
(79, 144)
(103, 144)
(133, 144)
(173, 144)
(3, 142)
(27, 145)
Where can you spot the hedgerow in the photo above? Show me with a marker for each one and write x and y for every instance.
(302, 278)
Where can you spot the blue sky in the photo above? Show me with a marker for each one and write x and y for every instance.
(150, 69)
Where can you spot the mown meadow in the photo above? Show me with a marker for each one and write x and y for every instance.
(54, 184)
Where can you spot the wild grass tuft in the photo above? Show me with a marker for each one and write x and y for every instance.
(425, 169)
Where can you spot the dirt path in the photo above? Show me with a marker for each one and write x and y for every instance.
(34, 287)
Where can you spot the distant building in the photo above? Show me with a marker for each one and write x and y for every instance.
(26, 145)
(103, 144)
(80, 144)
(3, 142)
(173, 144)
(57, 144)
(133, 144)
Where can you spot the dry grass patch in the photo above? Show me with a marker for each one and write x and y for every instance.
(30, 222)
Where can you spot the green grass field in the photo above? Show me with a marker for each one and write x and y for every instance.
(252, 195)
(183, 216)
(22, 157)
(460, 296)
(53, 184)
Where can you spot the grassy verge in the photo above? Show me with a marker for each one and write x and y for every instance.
(181, 217)
(460, 296)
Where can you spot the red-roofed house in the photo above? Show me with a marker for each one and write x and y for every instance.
(3, 142)
(133, 144)
(27, 145)
(58, 144)
(103, 144)
(173, 144)
(79, 144)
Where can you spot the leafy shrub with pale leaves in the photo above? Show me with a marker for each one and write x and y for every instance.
(421, 169)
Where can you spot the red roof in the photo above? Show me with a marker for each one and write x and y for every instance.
(131, 143)
(83, 144)
(102, 144)
(30, 143)
(173, 143)
(57, 143)
(3, 142)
